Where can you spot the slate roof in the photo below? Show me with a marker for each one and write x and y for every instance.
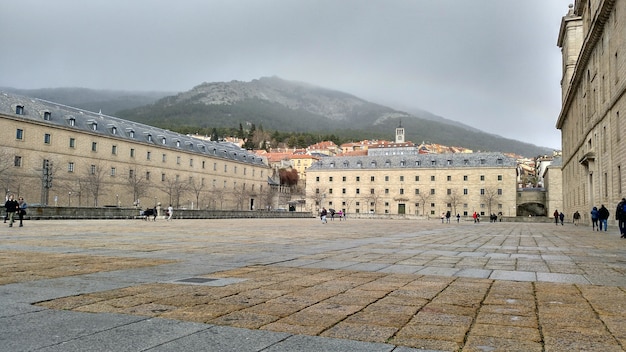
(416, 161)
(43, 111)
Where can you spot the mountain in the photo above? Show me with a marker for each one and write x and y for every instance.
(282, 105)
(109, 102)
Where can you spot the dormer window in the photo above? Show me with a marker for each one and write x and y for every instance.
(72, 121)
(359, 164)
(433, 162)
(178, 144)
(418, 162)
(131, 132)
(94, 125)
(163, 140)
(332, 164)
(387, 163)
(403, 163)
(449, 162)
(47, 115)
(19, 109)
(149, 137)
(346, 163)
(499, 161)
(113, 130)
(373, 164)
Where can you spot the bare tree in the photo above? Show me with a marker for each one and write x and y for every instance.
(196, 188)
(373, 198)
(318, 196)
(489, 196)
(218, 196)
(240, 195)
(137, 183)
(266, 198)
(423, 198)
(93, 181)
(454, 199)
(175, 189)
(7, 178)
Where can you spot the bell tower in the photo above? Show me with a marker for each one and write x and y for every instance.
(400, 133)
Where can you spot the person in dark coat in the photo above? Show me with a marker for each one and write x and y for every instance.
(12, 207)
(603, 216)
(594, 219)
(620, 216)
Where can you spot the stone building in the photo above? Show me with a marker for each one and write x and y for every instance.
(592, 39)
(419, 184)
(62, 156)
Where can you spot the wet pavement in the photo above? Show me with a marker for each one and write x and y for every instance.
(299, 285)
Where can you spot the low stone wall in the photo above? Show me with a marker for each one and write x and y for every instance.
(48, 213)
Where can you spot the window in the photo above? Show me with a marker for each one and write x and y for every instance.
(94, 126)
(482, 177)
(70, 167)
(72, 142)
(449, 191)
(417, 178)
(113, 130)
(432, 178)
(449, 178)
(358, 178)
(402, 162)
(163, 157)
(114, 149)
(330, 179)
(433, 162)
(386, 190)
(19, 110)
(483, 161)
(164, 141)
(386, 178)
(343, 191)
(372, 178)
(148, 155)
(401, 190)
(215, 168)
(317, 178)
(94, 146)
(371, 191)
(499, 161)
(131, 133)
(92, 169)
(465, 161)
(343, 179)
(418, 163)
(225, 168)
(178, 160)
(72, 121)
(147, 175)
(499, 191)
(432, 191)
(449, 162)
(46, 138)
(131, 173)
(204, 165)
(17, 162)
(417, 191)
(499, 177)
(465, 191)
(19, 134)
(482, 191)
(113, 171)
(358, 191)
(163, 177)
(47, 115)
(132, 152)
(191, 164)
(465, 178)
(330, 191)
(401, 178)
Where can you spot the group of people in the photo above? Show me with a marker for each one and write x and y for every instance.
(599, 217)
(14, 207)
(324, 215)
(154, 212)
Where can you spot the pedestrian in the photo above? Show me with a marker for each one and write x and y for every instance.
(170, 212)
(475, 216)
(340, 214)
(323, 214)
(561, 217)
(556, 217)
(12, 207)
(443, 215)
(332, 214)
(603, 217)
(620, 216)
(448, 215)
(576, 218)
(594, 219)
(22, 209)
(458, 217)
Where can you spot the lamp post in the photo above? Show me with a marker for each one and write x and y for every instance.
(69, 199)
(117, 197)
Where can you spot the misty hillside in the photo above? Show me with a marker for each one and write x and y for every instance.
(280, 105)
(110, 102)
(277, 104)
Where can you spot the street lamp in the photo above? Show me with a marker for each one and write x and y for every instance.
(69, 199)
(117, 196)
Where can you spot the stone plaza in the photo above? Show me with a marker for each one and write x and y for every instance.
(300, 285)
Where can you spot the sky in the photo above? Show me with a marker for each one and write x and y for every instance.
(491, 64)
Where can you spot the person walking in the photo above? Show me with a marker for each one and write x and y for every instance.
(458, 217)
(556, 217)
(594, 219)
(576, 218)
(620, 216)
(448, 215)
(323, 214)
(22, 210)
(12, 207)
(561, 217)
(603, 217)
(170, 212)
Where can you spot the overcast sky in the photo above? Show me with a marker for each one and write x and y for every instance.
(491, 64)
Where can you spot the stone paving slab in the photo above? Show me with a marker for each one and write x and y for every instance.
(295, 284)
